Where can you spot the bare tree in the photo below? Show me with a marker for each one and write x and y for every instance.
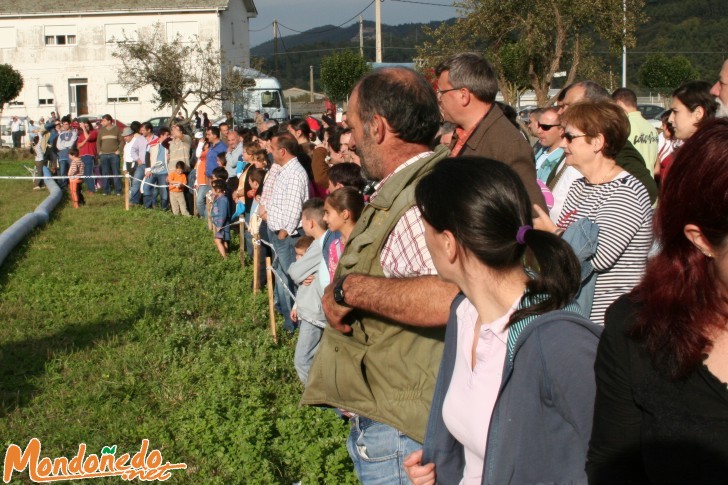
(183, 72)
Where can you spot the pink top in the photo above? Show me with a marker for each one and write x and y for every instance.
(473, 390)
(336, 249)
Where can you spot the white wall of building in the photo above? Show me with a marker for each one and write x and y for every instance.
(83, 53)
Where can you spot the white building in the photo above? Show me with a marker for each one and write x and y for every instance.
(64, 49)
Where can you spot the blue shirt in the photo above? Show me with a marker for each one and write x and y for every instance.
(211, 159)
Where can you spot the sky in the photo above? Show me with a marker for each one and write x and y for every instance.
(307, 14)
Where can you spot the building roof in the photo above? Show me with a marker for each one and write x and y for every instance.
(54, 7)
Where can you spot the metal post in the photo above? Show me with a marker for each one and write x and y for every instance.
(378, 4)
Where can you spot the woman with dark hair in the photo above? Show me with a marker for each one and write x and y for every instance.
(86, 145)
(607, 201)
(667, 144)
(515, 389)
(692, 107)
(661, 411)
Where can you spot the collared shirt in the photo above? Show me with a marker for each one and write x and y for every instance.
(462, 136)
(268, 183)
(405, 253)
(474, 387)
(211, 160)
(231, 159)
(546, 162)
(289, 193)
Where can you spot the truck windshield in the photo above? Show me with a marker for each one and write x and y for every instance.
(270, 99)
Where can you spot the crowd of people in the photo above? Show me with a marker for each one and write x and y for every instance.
(479, 309)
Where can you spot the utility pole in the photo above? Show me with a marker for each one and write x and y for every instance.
(275, 46)
(624, 44)
(310, 75)
(361, 36)
(378, 19)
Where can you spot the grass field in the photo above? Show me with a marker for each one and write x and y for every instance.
(119, 326)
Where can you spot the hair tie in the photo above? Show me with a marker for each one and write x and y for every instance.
(521, 234)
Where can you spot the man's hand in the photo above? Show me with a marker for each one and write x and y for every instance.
(543, 222)
(282, 234)
(335, 313)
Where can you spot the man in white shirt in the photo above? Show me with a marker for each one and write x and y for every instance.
(15, 131)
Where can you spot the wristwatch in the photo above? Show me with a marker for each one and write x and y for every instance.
(339, 291)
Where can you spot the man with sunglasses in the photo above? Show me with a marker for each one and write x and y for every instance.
(467, 86)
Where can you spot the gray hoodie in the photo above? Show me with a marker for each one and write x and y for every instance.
(308, 297)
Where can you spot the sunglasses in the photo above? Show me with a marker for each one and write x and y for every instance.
(547, 127)
(570, 137)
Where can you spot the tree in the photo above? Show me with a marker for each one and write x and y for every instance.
(551, 35)
(11, 83)
(664, 74)
(340, 72)
(181, 71)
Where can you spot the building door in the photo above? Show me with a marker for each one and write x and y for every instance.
(78, 97)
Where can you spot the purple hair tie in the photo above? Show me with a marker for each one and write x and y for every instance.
(521, 234)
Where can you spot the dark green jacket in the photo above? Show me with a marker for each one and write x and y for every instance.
(631, 160)
(383, 370)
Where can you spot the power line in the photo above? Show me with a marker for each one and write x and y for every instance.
(425, 3)
(332, 28)
(258, 30)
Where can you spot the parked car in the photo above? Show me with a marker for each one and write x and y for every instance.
(523, 114)
(652, 113)
(160, 121)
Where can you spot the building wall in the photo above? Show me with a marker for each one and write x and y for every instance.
(47, 69)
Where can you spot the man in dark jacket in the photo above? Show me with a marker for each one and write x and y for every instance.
(467, 86)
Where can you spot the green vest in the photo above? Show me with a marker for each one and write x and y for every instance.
(383, 370)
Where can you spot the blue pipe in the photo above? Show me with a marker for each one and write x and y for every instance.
(13, 235)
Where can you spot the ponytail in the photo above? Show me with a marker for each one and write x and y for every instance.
(557, 273)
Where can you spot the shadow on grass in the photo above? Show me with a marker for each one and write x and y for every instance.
(21, 362)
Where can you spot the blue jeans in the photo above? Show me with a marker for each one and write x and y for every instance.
(309, 340)
(63, 166)
(202, 191)
(88, 171)
(378, 452)
(286, 256)
(135, 194)
(110, 166)
(150, 193)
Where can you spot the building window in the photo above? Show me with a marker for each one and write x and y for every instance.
(45, 96)
(116, 93)
(8, 38)
(60, 35)
(186, 31)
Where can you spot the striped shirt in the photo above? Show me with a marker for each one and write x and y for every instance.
(622, 210)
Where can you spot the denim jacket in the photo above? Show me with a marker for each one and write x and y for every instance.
(583, 237)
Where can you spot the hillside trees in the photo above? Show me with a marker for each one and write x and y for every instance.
(664, 74)
(340, 72)
(181, 71)
(548, 35)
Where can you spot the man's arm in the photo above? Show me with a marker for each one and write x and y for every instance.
(422, 301)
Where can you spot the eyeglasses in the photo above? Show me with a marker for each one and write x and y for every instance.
(440, 92)
(547, 127)
(570, 137)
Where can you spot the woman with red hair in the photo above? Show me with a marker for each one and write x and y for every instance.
(661, 411)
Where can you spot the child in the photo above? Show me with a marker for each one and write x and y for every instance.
(341, 211)
(220, 216)
(75, 181)
(308, 310)
(346, 174)
(177, 181)
(37, 149)
(219, 173)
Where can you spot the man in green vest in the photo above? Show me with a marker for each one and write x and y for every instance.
(386, 308)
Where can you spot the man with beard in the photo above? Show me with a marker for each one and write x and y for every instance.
(386, 308)
(720, 91)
